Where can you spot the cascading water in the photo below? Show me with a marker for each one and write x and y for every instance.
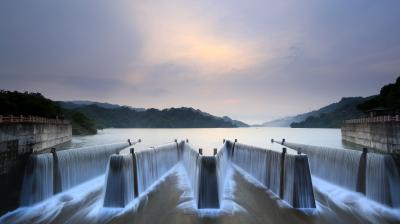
(191, 162)
(74, 167)
(81, 164)
(222, 166)
(383, 179)
(38, 179)
(208, 183)
(337, 166)
(253, 160)
(378, 174)
(154, 163)
(295, 186)
(274, 170)
(119, 189)
(298, 189)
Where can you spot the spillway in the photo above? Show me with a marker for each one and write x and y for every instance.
(38, 179)
(375, 175)
(286, 175)
(50, 173)
(119, 188)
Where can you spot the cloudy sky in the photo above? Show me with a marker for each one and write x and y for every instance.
(250, 60)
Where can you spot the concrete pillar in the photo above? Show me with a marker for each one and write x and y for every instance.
(135, 175)
(281, 182)
(56, 173)
(362, 172)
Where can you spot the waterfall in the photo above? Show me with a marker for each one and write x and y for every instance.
(274, 171)
(338, 166)
(377, 176)
(154, 163)
(82, 164)
(298, 189)
(383, 179)
(38, 179)
(253, 160)
(119, 189)
(208, 184)
(223, 164)
(191, 162)
(293, 184)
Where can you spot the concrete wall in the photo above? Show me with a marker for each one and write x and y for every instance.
(17, 140)
(383, 136)
(35, 136)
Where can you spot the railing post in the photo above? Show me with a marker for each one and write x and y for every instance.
(281, 182)
(135, 175)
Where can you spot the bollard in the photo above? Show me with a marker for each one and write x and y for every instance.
(298, 151)
(135, 174)
(129, 141)
(215, 151)
(283, 141)
(140, 140)
(362, 172)
(272, 140)
(223, 140)
(200, 151)
(281, 182)
(235, 140)
(187, 140)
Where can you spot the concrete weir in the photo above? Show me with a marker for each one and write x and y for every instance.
(206, 174)
(377, 176)
(47, 174)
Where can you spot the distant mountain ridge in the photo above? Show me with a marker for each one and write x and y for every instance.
(79, 103)
(112, 115)
(343, 104)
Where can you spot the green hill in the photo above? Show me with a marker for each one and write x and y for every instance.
(126, 117)
(35, 104)
(353, 107)
(388, 98)
(345, 109)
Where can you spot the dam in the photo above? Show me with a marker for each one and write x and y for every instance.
(116, 182)
(20, 136)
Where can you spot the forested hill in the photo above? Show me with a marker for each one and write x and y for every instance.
(355, 107)
(126, 117)
(35, 104)
(345, 109)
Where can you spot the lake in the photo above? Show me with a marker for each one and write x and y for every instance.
(210, 138)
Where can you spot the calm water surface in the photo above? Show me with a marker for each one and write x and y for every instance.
(209, 138)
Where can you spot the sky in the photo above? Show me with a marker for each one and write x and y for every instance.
(251, 60)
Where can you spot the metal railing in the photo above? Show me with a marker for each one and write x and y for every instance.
(32, 119)
(377, 119)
